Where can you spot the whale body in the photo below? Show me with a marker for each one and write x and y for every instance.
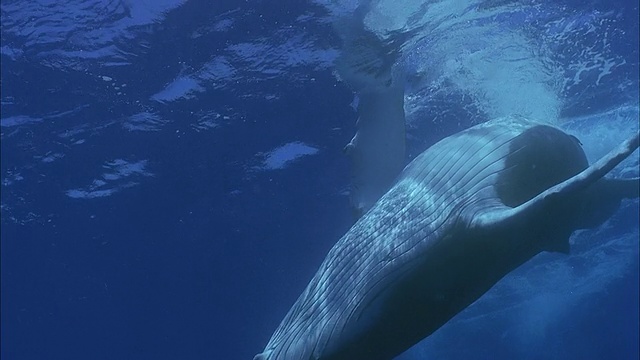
(459, 217)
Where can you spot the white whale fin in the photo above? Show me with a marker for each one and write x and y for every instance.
(588, 188)
(377, 151)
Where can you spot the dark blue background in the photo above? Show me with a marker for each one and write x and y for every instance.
(201, 259)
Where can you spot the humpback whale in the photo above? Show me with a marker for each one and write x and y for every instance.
(434, 236)
(460, 216)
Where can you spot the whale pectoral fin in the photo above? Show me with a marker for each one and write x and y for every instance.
(365, 59)
(573, 194)
(377, 151)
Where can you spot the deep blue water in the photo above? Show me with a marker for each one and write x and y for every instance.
(172, 171)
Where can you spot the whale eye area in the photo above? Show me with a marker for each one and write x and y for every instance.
(539, 158)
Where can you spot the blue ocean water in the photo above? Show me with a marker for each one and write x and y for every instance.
(172, 171)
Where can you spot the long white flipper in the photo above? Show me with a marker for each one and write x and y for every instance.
(377, 151)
